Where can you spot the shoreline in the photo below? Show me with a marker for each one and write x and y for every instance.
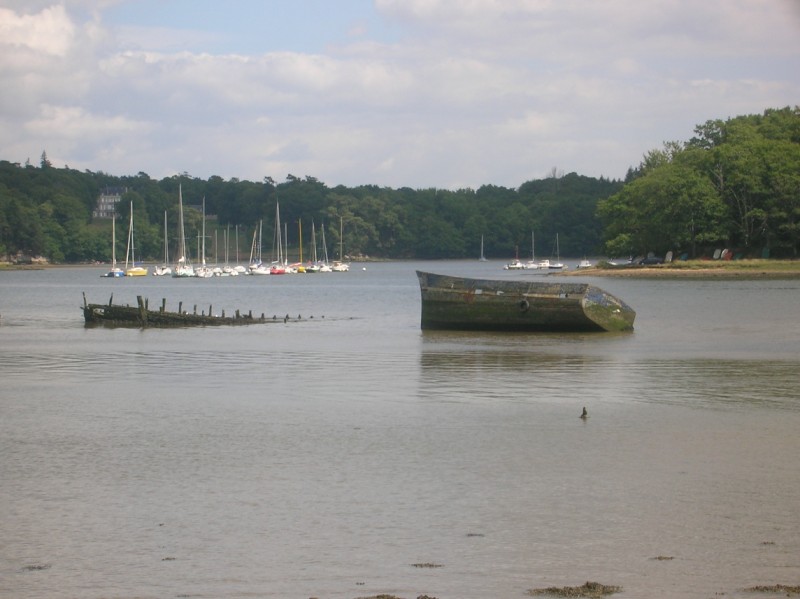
(698, 269)
(693, 269)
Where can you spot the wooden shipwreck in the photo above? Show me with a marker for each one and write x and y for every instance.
(457, 303)
(140, 315)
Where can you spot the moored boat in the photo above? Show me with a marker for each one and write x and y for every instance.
(133, 270)
(457, 303)
(115, 272)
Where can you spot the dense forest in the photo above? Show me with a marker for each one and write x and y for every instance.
(736, 183)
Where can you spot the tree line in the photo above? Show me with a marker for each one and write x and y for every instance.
(48, 211)
(735, 183)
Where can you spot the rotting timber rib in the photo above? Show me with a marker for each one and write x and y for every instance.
(457, 303)
(141, 316)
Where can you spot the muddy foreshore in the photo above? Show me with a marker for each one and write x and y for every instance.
(757, 269)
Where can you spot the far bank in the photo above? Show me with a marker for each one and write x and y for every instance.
(700, 269)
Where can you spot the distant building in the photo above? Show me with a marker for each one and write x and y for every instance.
(107, 202)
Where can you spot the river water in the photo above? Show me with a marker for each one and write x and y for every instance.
(351, 454)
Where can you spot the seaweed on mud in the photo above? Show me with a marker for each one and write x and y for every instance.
(588, 589)
(790, 590)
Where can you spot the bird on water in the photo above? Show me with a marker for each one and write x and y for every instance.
(585, 414)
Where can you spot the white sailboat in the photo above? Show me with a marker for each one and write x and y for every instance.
(278, 266)
(515, 264)
(532, 264)
(257, 267)
(557, 265)
(165, 268)
(115, 271)
(340, 265)
(324, 265)
(133, 270)
(203, 271)
(313, 265)
(228, 269)
(482, 258)
(183, 268)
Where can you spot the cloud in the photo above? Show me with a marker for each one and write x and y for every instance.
(480, 91)
(50, 32)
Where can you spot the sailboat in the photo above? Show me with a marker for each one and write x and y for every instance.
(313, 265)
(133, 271)
(256, 266)
(482, 258)
(324, 266)
(203, 271)
(115, 271)
(557, 265)
(515, 264)
(183, 268)
(299, 267)
(340, 265)
(165, 268)
(532, 264)
(228, 269)
(278, 267)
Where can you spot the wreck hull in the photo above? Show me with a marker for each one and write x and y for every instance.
(116, 315)
(457, 303)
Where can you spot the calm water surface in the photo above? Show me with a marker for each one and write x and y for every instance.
(325, 458)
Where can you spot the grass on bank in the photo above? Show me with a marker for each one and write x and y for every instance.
(756, 268)
(744, 265)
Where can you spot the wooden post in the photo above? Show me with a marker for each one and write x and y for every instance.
(142, 310)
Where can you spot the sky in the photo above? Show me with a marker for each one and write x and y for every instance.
(450, 94)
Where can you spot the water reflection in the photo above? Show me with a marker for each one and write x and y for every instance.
(570, 366)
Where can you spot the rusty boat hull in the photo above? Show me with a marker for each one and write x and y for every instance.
(465, 304)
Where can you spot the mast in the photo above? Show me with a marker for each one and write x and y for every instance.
(203, 260)
(166, 245)
(129, 251)
(113, 242)
(181, 235)
(341, 241)
(300, 236)
(314, 241)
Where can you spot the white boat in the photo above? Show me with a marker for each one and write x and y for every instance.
(515, 264)
(324, 265)
(557, 265)
(585, 264)
(256, 267)
(203, 271)
(340, 265)
(532, 264)
(313, 264)
(133, 270)
(115, 272)
(278, 266)
(164, 269)
(183, 269)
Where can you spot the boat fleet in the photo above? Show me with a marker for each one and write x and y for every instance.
(532, 264)
(183, 268)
